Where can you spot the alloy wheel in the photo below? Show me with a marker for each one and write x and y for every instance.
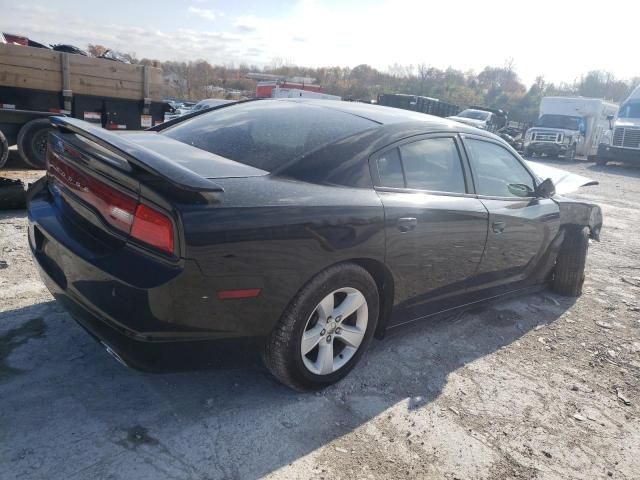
(334, 331)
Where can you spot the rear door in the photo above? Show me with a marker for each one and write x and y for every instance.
(521, 226)
(435, 227)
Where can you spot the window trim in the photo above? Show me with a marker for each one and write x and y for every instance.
(462, 157)
(481, 138)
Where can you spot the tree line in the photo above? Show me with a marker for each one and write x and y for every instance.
(497, 87)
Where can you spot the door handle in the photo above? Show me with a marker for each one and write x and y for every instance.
(406, 224)
(498, 227)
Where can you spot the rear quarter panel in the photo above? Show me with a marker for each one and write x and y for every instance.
(276, 234)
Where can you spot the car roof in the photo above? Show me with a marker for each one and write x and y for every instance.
(376, 113)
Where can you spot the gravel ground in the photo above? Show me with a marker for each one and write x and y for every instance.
(538, 387)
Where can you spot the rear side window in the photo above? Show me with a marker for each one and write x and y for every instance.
(267, 134)
(390, 169)
(433, 164)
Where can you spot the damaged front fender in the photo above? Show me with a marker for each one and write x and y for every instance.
(580, 214)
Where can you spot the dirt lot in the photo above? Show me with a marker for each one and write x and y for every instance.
(539, 387)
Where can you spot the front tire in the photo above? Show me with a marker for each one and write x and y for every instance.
(569, 275)
(32, 142)
(325, 329)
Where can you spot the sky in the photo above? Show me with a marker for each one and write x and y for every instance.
(559, 39)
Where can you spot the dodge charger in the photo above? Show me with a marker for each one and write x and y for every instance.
(311, 225)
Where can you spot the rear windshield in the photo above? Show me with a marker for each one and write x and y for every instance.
(266, 134)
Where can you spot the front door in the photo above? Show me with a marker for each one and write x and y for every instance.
(521, 226)
(435, 229)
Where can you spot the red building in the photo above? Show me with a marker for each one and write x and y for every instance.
(264, 89)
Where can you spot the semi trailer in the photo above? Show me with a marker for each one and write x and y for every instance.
(36, 83)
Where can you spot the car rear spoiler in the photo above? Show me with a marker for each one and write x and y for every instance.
(152, 162)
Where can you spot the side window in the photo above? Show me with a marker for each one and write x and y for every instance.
(390, 169)
(496, 168)
(433, 164)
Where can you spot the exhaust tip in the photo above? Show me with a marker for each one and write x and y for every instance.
(114, 354)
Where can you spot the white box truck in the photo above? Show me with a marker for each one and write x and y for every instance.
(622, 142)
(569, 126)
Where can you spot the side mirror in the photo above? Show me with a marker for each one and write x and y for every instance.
(610, 117)
(520, 190)
(546, 189)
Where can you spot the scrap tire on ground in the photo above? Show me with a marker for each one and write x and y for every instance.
(12, 194)
(4, 150)
(281, 353)
(32, 140)
(568, 276)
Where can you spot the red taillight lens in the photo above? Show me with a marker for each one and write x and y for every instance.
(120, 210)
(153, 228)
(116, 208)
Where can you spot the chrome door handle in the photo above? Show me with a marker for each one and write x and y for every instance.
(498, 227)
(406, 224)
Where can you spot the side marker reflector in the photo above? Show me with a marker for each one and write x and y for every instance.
(235, 294)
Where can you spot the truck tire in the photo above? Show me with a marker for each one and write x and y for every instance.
(568, 276)
(296, 349)
(601, 161)
(32, 142)
(4, 150)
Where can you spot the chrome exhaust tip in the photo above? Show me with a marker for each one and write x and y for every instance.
(114, 354)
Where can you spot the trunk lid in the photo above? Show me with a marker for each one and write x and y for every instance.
(205, 164)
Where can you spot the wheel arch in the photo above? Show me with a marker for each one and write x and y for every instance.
(386, 289)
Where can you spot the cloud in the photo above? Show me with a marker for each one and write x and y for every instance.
(344, 33)
(205, 13)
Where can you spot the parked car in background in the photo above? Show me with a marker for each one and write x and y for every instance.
(309, 224)
(483, 118)
(622, 140)
(210, 103)
(569, 126)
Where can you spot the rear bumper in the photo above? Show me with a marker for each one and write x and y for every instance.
(128, 299)
(616, 154)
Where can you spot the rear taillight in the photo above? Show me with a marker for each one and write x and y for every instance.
(122, 211)
(154, 228)
(115, 207)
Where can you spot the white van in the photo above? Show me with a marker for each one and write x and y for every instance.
(569, 126)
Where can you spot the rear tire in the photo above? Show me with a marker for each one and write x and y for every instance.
(32, 142)
(283, 350)
(4, 150)
(569, 275)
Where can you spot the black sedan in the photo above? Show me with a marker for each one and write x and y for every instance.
(312, 225)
